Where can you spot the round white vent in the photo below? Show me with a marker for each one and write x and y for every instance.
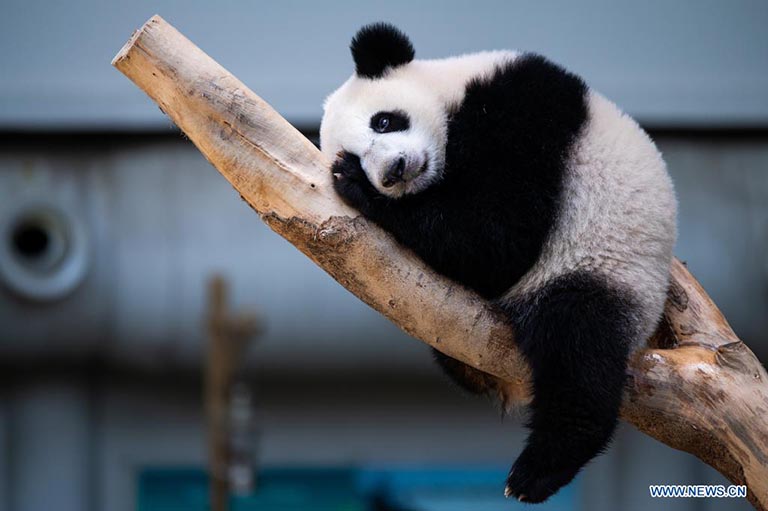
(43, 252)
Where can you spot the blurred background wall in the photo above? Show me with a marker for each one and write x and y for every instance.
(111, 223)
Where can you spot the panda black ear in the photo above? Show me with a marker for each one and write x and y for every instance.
(379, 46)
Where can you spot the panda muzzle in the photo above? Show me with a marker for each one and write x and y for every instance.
(394, 173)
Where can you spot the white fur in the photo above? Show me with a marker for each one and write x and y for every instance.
(618, 216)
(423, 89)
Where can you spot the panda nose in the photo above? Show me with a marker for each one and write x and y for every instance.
(394, 173)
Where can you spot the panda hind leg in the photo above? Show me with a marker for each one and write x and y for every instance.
(467, 377)
(576, 335)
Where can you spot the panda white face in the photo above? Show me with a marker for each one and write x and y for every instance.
(393, 112)
(395, 124)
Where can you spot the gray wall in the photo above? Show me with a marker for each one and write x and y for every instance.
(699, 62)
(162, 221)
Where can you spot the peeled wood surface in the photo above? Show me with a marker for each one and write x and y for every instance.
(701, 390)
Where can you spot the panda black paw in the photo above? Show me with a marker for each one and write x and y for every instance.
(531, 482)
(351, 183)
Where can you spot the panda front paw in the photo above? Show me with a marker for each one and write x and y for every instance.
(531, 481)
(351, 183)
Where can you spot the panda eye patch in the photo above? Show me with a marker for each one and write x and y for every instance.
(387, 122)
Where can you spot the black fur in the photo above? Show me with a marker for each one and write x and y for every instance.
(379, 46)
(395, 121)
(576, 335)
(484, 225)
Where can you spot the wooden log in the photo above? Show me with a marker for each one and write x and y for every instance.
(699, 389)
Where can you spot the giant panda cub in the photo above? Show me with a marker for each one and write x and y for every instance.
(507, 174)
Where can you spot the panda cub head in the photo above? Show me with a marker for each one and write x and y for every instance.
(386, 116)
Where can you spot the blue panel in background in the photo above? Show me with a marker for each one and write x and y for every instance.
(345, 489)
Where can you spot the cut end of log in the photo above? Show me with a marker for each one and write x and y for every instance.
(121, 55)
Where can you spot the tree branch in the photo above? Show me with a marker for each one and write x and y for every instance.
(699, 389)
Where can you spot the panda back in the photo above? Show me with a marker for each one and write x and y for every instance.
(616, 218)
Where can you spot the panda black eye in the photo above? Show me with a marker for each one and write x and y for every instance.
(387, 122)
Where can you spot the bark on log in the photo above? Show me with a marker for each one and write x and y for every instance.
(697, 387)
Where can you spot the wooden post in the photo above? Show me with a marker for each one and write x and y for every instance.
(228, 339)
(700, 390)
